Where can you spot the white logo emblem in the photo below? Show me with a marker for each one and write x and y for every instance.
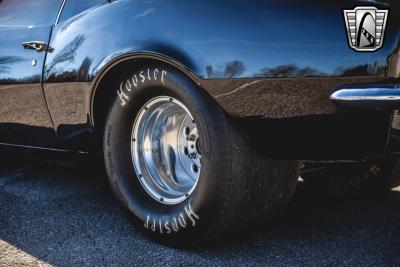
(365, 27)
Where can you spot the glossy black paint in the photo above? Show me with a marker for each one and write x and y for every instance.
(24, 118)
(223, 39)
(226, 39)
(276, 59)
(75, 7)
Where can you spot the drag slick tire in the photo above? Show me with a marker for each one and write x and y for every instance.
(183, 171)
(373, 176)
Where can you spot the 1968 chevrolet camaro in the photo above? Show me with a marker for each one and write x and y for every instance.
(207, 112)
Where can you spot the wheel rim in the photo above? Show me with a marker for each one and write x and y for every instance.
(165, 150)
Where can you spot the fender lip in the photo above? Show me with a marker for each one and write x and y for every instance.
(118, 57)
(367, 96)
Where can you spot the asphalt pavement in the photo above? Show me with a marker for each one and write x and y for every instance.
(62, 213)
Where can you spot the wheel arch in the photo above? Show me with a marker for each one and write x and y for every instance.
(102, 92)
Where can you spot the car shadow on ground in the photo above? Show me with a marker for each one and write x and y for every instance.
(61, 212)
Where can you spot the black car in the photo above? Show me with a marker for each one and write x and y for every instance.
(207, 112)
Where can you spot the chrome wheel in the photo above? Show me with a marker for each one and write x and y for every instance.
(165, 150)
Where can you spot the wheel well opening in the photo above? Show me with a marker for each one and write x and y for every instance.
(106, 91)
(102, 99)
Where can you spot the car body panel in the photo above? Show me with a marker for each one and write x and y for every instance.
(224, 40)
(24, 118)
(277, 59)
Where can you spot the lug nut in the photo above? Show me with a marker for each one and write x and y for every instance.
(192, 137)
(192, 155)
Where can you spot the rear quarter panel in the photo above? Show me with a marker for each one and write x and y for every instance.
(270, 59)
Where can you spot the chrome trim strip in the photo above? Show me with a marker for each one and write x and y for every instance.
(375, 97)
(60, 11)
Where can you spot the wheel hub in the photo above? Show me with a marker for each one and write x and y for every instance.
(165, 150)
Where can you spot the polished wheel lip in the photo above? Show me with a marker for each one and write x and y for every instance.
(164, 150)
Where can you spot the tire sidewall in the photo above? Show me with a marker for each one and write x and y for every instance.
(194, 216)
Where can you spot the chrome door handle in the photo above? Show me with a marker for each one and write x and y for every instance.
(38, 46)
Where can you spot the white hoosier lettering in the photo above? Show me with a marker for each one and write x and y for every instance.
(122, 96)
(167, 227)
(175, 223)
(146, 224)
(161, 231)
(135, 80)
(155, 74)
(128, 86)
(142, 77)
(163, 74)
(139, 79)
(191, 214)
(181, 220)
